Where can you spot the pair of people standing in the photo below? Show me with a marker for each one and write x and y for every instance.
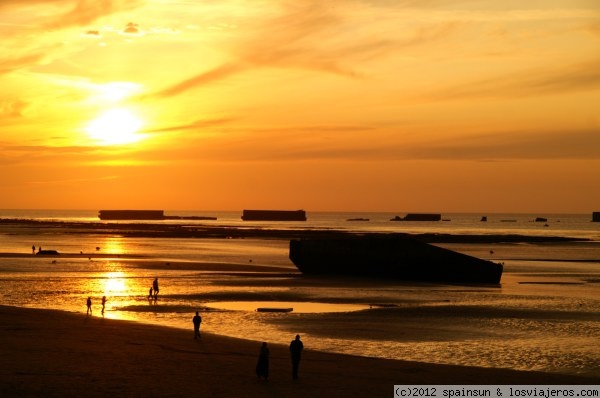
(262, 366)
(89, 305)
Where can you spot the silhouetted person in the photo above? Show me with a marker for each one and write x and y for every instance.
(150, 294)
(33, 249)
(103, 304)
(155, 287)
(89, 305)
(296, 348)
(262, 366)
(197, 320)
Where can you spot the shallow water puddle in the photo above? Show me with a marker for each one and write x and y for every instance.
(285, 306)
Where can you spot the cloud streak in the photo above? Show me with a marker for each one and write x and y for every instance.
(13, 64)
(79, 12)
(204, 78)
(195, 125)
(46, 154)
(72, 181)
(486, 147)
(36, 39)
(541, 145)
(84, 12)
(310, 36)
(350, 143)
(580, 77)
(12, 108)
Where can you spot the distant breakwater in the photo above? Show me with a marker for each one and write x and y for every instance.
(162, 230)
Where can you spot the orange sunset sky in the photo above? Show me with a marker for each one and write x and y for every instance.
(350, 105)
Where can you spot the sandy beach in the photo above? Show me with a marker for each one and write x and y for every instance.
(53, 353)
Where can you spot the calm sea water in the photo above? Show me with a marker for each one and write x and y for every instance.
(544, 316)
(575, 225)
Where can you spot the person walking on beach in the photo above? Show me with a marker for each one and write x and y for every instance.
(33, 249)
(89, 306)
(150, 294)
(197, 320)
(296, 348)
(262, 366)
(103, 304)
(155, 287)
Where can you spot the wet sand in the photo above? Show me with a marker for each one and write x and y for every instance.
(53, 353)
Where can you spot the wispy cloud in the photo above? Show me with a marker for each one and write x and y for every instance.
(486, 147)
(66, 13)
(12, 64)
(132, 29)
(35, 38)
(203, 78)
(12, 108)
(551, 80)
(195, 125)
(46, 154)
(71, 181)
(537, 145)
(310, 35)
(348, 143)
(12, 4)
(84, 12)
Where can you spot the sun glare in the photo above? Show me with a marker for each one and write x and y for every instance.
(116, 126)
(115, 283)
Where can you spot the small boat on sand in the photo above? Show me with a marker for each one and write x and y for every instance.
(273, 309)
(47, 253)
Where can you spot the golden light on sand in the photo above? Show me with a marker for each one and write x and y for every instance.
(116, 126)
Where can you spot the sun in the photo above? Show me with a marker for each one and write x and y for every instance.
(117, 126)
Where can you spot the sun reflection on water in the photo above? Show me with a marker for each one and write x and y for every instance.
(115, 283)
(112, 245)
(120, 290)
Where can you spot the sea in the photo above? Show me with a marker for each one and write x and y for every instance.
(543, 316)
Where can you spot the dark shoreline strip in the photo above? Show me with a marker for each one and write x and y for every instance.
(161, 230)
